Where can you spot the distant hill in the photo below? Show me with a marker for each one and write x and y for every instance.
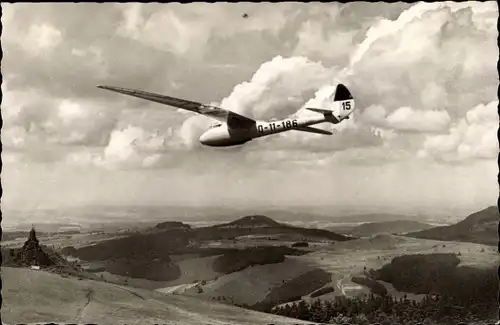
(129, 255)
(383, 227)
(254, 221)
(172, 225)
(40, 297)
(262, 225)
(480, 227)
(375, 217)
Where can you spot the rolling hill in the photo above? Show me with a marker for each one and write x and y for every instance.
(172, 225)
(258, 283)
(37, 296)
(134, 253)
(254, 221)
(262, 225)
(374, 217)
(480, 227)
(383, 227)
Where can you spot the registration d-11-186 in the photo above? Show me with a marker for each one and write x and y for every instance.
(273, 126)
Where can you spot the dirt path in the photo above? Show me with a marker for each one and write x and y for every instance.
(130, 291)
(89, 294)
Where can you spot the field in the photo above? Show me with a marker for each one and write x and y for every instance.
(250, 285)
(26, 300)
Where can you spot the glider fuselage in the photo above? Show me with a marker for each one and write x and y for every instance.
(223, 136)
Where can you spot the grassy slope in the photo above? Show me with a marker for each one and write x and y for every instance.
(37, 296)
(480, 227)
(252, 284)
(387, 227)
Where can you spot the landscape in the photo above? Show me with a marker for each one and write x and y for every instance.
(259, 268)
(250, 163)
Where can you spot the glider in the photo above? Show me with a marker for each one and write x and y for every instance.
(234, 129)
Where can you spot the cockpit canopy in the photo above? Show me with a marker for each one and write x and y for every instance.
(215, 125)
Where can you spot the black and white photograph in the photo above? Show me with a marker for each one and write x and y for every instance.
(250, 163)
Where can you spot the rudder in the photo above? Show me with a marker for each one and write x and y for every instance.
(342, 93)
(342, 106)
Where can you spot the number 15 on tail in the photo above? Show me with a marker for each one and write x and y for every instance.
(346, 105)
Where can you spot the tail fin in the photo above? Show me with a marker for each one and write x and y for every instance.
(342, 105)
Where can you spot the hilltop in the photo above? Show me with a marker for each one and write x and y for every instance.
(264, 226)
(480, 227)
(251, 222)
(37, 296)
(172, 225)
(32, 254)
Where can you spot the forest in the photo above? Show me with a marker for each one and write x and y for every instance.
(431, 310)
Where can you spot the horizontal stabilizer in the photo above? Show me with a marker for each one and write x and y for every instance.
(328, 113)
(320, 110)
(312, 130)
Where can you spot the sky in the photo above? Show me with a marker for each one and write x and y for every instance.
(422, 138)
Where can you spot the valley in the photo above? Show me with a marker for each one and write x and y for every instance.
(258, 263)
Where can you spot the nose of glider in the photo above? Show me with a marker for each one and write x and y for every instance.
(204, 138)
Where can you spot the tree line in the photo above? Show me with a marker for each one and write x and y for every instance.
(431, 310)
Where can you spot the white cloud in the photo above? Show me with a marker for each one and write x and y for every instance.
(93, 58)
(132, 19)
(69, 111)
(276, 90)
(132, 147)
(187, 29)
(406, 119)
(474, 137)
(432, 57)
(277, 87)
(313, 42)
(13, 138)
(415, 14)
(41, 38)
(54, 120)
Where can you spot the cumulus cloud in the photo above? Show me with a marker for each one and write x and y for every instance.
(335, 45)
(131, 147)
(425, 102)
(41, 38)
(400, 88)
(276, 90)
(186, 29)
(407, 119)
(425, 54)
(415, 70)
(473, 137)
(278, 87)
(59, 121)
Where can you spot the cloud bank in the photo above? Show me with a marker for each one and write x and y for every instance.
(423, 75)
